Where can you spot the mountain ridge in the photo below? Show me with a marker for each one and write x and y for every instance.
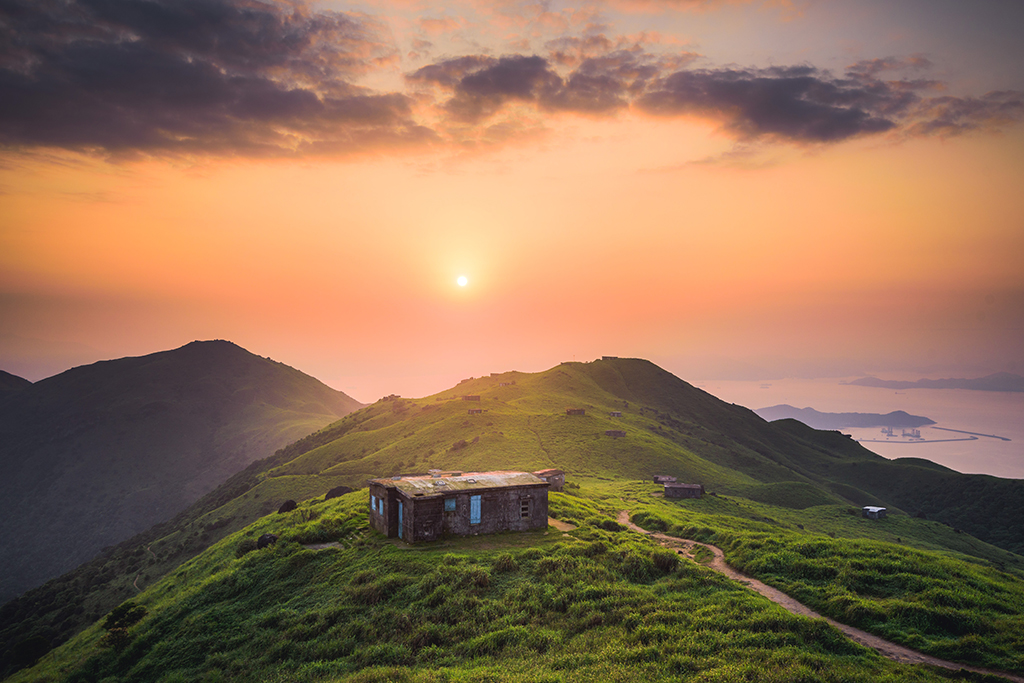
(101, 452)
(999, 381)
(898, 419)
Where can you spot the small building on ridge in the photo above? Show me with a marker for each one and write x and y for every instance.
(674, 490)
(428, 507)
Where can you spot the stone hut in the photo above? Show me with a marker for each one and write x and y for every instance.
(663, 479)
(675, 490)
(554, 477)
(873, 512)
(575, 411)
(615, 413)
(428, 507)
(475, 411)
(470, 398)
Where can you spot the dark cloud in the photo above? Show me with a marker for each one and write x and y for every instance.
(167, 76)
(482, 85)
(795, 103)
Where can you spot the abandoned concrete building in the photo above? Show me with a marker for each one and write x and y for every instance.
(663, 479)
(554, 477)
(428, 507)
(873, 512)
(674, 490)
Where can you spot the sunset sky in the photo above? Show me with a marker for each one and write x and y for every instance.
(734, 190)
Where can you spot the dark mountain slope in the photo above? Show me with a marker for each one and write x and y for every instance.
(101, 452)
(9, 382)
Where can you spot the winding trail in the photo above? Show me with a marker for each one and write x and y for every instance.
(885, 648)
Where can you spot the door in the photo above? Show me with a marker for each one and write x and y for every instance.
(474, 509)
(400, 519)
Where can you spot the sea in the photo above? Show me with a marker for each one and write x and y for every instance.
(989, 436)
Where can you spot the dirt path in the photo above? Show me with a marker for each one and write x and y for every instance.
(135, 583)
(883, 647)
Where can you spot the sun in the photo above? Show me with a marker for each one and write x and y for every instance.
(462, 280)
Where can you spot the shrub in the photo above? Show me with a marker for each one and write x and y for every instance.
(245, 547)
(287, 506)
(506, 563)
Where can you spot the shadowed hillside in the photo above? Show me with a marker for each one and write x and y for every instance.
(101, 452)
(10, 383)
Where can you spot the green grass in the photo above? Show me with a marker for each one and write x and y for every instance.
(595, 604)
(948, 604)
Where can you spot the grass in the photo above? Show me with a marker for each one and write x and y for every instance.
(948, 604)
(596, 604)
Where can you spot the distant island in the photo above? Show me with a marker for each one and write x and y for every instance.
(812, 418)
(1000, 381)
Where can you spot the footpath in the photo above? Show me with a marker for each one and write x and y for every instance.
(688, 547)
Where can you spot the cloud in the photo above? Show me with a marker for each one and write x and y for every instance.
(277, 77)
(186, 76)
(795, 103)
(947, 116)
(481, 86)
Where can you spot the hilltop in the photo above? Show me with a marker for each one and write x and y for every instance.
(99, 453)
(516, 420)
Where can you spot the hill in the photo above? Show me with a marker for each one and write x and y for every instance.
(516, 420)
(99, 453)
(9, 382)
(897, 419)
(999, 381)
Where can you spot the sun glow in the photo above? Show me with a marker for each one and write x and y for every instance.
(462, 280)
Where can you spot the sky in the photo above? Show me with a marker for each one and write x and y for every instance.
(736, 190)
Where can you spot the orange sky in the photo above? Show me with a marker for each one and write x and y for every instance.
(709, 237)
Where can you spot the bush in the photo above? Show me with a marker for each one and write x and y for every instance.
(245, 547)
(287, 506)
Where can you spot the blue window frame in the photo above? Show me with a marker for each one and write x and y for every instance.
(449, 505)
(474, 509)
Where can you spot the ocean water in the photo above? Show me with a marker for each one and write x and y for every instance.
(985, 412)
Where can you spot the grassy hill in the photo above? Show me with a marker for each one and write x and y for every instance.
(783, 473)
(598, 603)
(99, 453)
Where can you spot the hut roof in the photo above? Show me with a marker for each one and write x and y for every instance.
(548, 473)
(431, 485)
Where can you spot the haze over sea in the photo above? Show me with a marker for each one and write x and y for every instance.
(984, 412)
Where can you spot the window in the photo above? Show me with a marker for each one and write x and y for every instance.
(524, 508)
(373, 503)
(449, 505)
(474, 509)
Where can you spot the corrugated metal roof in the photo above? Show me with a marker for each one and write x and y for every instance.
(433, 485)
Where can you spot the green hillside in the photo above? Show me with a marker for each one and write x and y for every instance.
(596, 604)
(777, 475)
(99, 453)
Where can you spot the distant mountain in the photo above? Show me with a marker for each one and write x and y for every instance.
(1000, 381)
(812, 418)
(9, 382)
(95, 455)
